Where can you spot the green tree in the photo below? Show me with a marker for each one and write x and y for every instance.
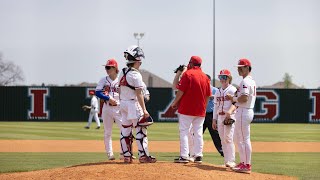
(287, 80)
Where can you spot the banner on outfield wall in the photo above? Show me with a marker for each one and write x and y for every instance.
(64, 104)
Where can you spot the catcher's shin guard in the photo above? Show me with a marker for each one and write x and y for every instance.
(126, 141)
(142, 141)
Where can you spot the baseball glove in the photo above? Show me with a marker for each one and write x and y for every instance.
(228, 121)
(180, 68)
(85, 108)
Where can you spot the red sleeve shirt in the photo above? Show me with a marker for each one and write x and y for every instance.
(195, 86)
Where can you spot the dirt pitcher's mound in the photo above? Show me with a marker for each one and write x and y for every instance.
(158, 170)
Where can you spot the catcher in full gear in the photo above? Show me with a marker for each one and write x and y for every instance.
(133, 109)
(224, 117)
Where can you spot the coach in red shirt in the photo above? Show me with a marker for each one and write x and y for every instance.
(191, 100)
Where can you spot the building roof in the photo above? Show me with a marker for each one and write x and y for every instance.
(153, 80)
(281, 85)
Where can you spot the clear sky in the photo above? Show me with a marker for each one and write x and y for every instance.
(66, 41)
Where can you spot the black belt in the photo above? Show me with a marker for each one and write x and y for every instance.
(113, 105)
(209, 112)
(221, 113)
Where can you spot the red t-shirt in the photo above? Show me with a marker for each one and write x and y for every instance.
(196, 88)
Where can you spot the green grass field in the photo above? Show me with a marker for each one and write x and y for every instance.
(157, 132)
(302, 165)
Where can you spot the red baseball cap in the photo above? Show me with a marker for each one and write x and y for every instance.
(196, 60)
(112, 62)
(225, 72)
(91, 92)
(243, 62)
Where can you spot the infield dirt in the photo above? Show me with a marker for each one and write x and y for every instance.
(158, 170)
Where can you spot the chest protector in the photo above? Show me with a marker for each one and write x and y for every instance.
(123, 80)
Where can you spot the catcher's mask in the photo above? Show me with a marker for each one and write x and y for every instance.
(145, 121)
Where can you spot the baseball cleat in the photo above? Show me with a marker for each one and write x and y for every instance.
(87, 127)
(181, 160)
(127, 160)
(244, 169)
(111, 156)
(198, 159)
(238, 166)
(98, 127)
(147, 159)
(230, 164)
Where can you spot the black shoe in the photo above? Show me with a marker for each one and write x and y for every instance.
(98, 127)
(181, 160)
(87, 127)
(198, 159)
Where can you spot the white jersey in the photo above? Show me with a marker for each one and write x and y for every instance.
(221, 105)
(247, 87)
(110, 87)
(134, 79)
(94, 104)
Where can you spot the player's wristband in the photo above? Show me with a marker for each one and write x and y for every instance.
(235, 99)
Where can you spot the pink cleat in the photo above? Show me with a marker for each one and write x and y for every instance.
(244, 169)
(237, 167)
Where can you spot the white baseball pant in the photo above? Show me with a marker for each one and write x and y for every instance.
(226, 136)
(185, 122)
(110, 114)
(244, 117)
(93, 114)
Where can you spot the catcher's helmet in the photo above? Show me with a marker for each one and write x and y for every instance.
(145, 121)
(133, 53)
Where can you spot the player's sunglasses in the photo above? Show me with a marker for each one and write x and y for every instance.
(108, 67)
(223, 77)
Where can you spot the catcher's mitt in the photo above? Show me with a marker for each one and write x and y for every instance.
(180, 68)
(228, 121)
(85, 108)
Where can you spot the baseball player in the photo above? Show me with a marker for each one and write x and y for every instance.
(208, 121)
(94, 109)
(194, 86)
(224, 109)
(179, 72)
(245, 100)
(108, 90)
(132, 107)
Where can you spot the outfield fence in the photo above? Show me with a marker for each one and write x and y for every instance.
(26, 103)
